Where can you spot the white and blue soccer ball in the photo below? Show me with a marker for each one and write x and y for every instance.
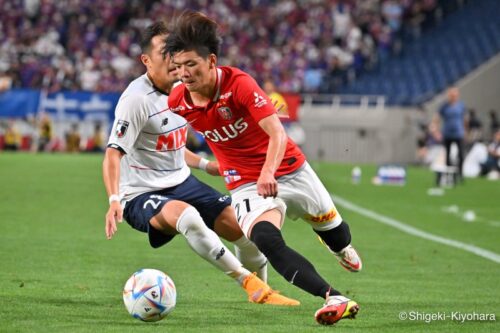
(149, 295)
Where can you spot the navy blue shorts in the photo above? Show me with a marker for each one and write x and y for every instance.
(207, 201)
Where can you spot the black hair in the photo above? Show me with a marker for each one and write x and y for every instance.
(156, 29)
(193, 31)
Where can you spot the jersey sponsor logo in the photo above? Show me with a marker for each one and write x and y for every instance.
(172, 140)
(225, 112)
(259, 100)
(178, 108)
(231, 176)
(226, 133)
(322, 218)
(121, 128)
(226, 95)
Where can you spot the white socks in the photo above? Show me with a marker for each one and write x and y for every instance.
(208, 245)
(251, 257)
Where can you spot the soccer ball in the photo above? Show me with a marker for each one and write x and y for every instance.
(149, 295)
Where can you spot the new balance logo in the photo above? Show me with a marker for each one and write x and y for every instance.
(220, 254)
(147, 309)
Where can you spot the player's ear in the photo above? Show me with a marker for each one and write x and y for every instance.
(145, 59)
(212, 59)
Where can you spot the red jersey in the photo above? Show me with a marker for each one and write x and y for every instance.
(229, 124)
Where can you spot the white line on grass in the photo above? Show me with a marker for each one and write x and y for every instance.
(416, 232)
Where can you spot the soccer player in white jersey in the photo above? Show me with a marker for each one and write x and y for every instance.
(149, 184)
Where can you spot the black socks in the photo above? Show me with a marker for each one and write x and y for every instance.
(291, 265)
(336, 238)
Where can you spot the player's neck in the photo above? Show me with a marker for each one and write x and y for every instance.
(206, 93)
(163, 87)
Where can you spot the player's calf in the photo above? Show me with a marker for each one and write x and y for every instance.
(337, 241)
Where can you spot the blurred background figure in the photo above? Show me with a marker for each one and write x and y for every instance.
(452, 114)
(12, 137)
(474, 129)
(5, 81)
(97, 141)
(292, 128)
(494, 123)
(73, 139)
(277, 98)
(45, 132)
(429, 143)
(491, 167)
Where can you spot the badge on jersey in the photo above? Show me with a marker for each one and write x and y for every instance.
(225, 112)
(231, 176)
(121, 128)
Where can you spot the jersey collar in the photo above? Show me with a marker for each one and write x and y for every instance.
(218, 84)
(155, 88)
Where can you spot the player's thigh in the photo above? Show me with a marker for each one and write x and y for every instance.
(166, 220)
(142, 209)
(251, 207)
(226, 225)
(306, 197)
(209, 202)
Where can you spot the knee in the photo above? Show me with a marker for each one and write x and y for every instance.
(189, 220)
(267, 237)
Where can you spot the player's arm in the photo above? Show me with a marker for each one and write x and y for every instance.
(196, 161)
(260, 107)
(267, 185)
(130, 117)
(111, 177)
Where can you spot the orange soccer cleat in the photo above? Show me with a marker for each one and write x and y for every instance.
(259, 292)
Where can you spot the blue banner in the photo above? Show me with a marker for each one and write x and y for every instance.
(18, 103)
(68, 106)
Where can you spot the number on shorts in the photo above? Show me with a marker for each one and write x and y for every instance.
(152, 203)
(237, 208)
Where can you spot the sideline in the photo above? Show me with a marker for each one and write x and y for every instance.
(495, 257)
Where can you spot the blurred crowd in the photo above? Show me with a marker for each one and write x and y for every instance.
(305, 46)
(41, 134)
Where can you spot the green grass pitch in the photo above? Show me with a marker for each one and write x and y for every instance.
(59, 273)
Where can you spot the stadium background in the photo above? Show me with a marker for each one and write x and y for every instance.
(366, 78)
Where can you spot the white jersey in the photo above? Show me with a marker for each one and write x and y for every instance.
(153, 139)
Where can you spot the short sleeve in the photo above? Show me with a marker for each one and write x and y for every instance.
(252, 98)
(131, 114)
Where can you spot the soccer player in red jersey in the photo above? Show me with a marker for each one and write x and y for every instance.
(264, 170)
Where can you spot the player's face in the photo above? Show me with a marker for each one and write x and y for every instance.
(194, 70)
(161, 69)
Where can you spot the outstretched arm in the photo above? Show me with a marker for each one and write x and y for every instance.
(111, 177)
